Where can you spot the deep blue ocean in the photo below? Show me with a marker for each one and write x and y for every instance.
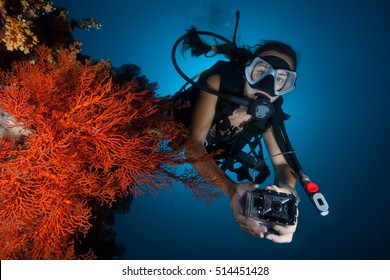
(339, 125)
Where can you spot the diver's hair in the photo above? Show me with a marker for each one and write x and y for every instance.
(279, 47)
(192, 42)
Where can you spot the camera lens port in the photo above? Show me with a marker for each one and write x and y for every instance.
(277, 207)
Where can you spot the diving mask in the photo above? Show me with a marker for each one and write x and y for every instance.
(270, 74)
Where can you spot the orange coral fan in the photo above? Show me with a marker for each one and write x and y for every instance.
(89, 140)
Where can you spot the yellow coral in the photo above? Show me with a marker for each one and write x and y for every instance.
(33, 6)
(18, 35)
(17, 27)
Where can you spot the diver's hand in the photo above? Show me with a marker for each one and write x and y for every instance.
(281, 233)
(237, 202)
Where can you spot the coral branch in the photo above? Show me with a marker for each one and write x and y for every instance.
(81, 140)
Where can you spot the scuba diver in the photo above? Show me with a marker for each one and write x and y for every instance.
(234, 106)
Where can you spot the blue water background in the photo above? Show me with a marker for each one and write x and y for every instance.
(340, 121)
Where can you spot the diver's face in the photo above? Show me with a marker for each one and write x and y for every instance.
(260, 69)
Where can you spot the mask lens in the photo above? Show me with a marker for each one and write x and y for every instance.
(258, 69)
(284, 81)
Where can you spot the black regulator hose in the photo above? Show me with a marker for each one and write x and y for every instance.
(236, 27)
(182, 38)
(312, 190)
(238, 100)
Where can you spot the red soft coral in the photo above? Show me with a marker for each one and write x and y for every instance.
(89, 140)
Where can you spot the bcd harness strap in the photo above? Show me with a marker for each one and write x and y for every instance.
(236, 157)
(241, 163)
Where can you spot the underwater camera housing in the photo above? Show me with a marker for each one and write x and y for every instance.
(271, 207)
